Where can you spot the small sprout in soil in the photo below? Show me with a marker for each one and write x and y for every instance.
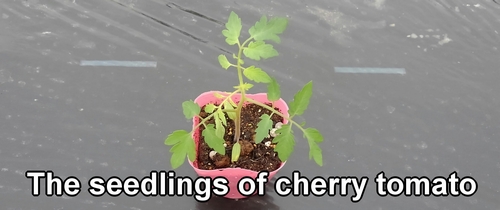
(222, 126)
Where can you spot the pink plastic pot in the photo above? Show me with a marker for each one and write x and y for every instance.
(233, 175)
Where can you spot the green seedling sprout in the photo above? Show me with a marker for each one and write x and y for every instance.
(255, 47)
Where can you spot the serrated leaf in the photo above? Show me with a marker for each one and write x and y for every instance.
(284, 142)
(265, 124)
(233, 29)
(177, 136)
(183, 144)
(218, 95)
(273, 90)
(256, 74)
(228, 106)
(284, 146)
(209, 108)
(286, 128)
(312, 134)
(190, 109)
(264, 30)
(259, 49)
(212, 140)
(245, 86)
(220, 130)
(301, 100)
(235, 154)
(224, 62)
(315, 153)
(220, 114)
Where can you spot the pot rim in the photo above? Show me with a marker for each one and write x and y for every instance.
(194, 164)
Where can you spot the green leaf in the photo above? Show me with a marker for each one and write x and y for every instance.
(263, 30)
(235, 154)
(228, 106)
(259, 49)
(315, 153)
(224, 62)
(177, 159)
(177, 136)
(285, 144)
(265, 124)
(220, 130)
(301, 100)
(178, 147)
(312, 134)
(245, 86)
(183, 144)
(212, 140)
(233, 29)
(190, 109)
(313, 137)
(256, 74)
(209, 108)
(273, 90)
(191, 150)
(220, 114)
(286, 128)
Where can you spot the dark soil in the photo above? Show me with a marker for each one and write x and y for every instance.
(256, 157)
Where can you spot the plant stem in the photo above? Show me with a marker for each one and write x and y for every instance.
(237, 119)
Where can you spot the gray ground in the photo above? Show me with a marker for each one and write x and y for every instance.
(441, 116)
